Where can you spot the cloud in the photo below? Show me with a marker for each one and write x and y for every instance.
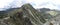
(52, 4)
(4, 3)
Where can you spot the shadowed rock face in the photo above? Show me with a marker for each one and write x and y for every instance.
(25, 15)
(19, 20)
(16, 19)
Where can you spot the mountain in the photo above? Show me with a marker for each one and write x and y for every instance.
(25, 15)
(5, 13)
(49, 13)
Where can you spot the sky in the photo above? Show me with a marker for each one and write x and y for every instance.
(52, 4)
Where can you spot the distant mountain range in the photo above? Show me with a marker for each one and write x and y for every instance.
(52, 13)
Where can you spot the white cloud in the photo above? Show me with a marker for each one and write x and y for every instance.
(4, 3)
(52, 4)
(56, 1)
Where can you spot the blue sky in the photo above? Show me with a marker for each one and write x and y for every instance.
(52, 4)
